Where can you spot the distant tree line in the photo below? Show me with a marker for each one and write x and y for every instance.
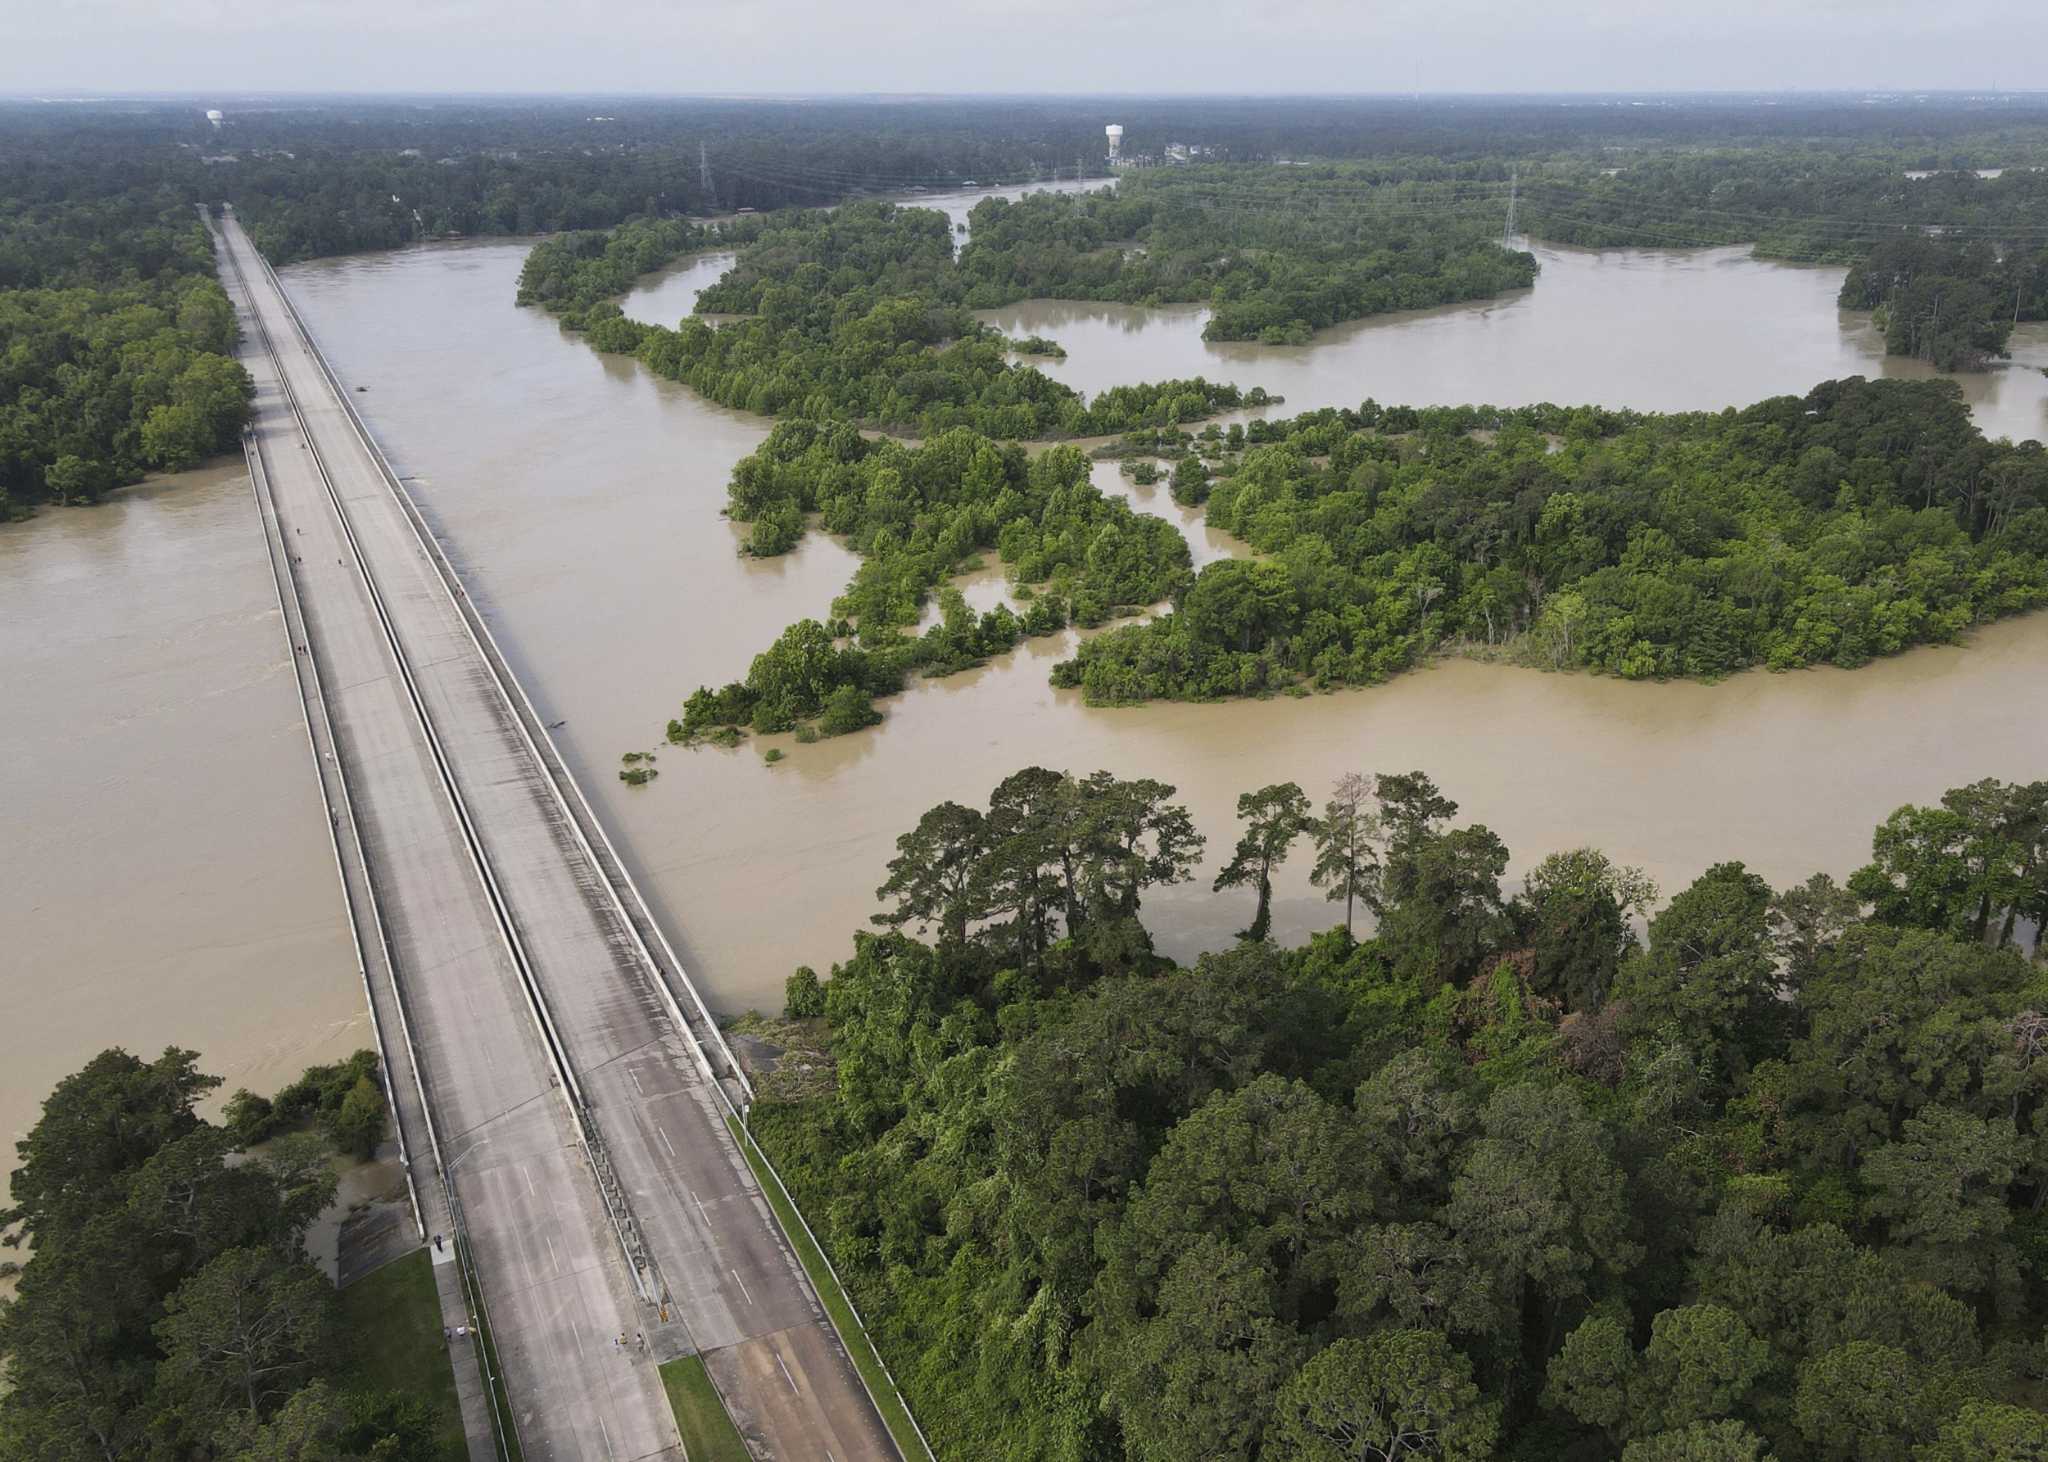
(1792, 200)
(121, 340)
(1500, 1178)
(316, 179)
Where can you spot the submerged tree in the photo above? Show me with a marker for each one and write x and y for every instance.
(932, 878)
(1274, 816)
(1347, 863)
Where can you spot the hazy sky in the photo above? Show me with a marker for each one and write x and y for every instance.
(1149, 46)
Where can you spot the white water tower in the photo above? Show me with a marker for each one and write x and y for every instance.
(213, 116)
(1115, 133)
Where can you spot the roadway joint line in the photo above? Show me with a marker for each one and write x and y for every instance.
(630, 1051)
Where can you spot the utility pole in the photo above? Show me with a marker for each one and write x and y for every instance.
(704, 173)
(1514, 187)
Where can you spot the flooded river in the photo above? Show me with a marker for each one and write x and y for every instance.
(581, 495)
(166, 877)
(1658, 330)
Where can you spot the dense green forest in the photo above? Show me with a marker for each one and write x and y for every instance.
(854, 314)
(1277, 252)
(168, 1309)
(116, 345)
(1498, 1179)
(1853, 522)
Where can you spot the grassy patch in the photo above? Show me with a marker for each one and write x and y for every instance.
(392, 1322)
(708, 1433)
(895, 1415)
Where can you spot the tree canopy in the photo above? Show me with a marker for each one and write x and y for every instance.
(1277, 252)
(853, 314)
(168, 1309)
(116, 344)
(1852, 522)
(1502, 1177)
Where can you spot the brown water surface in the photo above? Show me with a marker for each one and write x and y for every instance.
(582, 496)
(1653, 329)
(165, 876)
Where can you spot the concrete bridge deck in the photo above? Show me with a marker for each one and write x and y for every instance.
(571, 1078)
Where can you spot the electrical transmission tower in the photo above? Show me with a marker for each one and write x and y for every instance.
(1507, 233)
(704, 172)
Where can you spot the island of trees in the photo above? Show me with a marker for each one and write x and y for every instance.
(1277, 252)
(856, 315)
(1853, 522)
(1498, 1178)
(916, 514)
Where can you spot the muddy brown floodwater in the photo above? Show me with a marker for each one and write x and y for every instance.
(581, 495)
(165, 876)
(1658, 330)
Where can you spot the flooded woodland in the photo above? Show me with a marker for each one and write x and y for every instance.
(166, 878)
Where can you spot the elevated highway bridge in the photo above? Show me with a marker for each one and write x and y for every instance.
(561, 1091)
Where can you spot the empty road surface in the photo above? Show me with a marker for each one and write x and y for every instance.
(526, 979)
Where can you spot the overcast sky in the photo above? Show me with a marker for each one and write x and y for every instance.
(1146, 46)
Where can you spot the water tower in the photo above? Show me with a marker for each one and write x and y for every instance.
(213, 116)
(1115, 132)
